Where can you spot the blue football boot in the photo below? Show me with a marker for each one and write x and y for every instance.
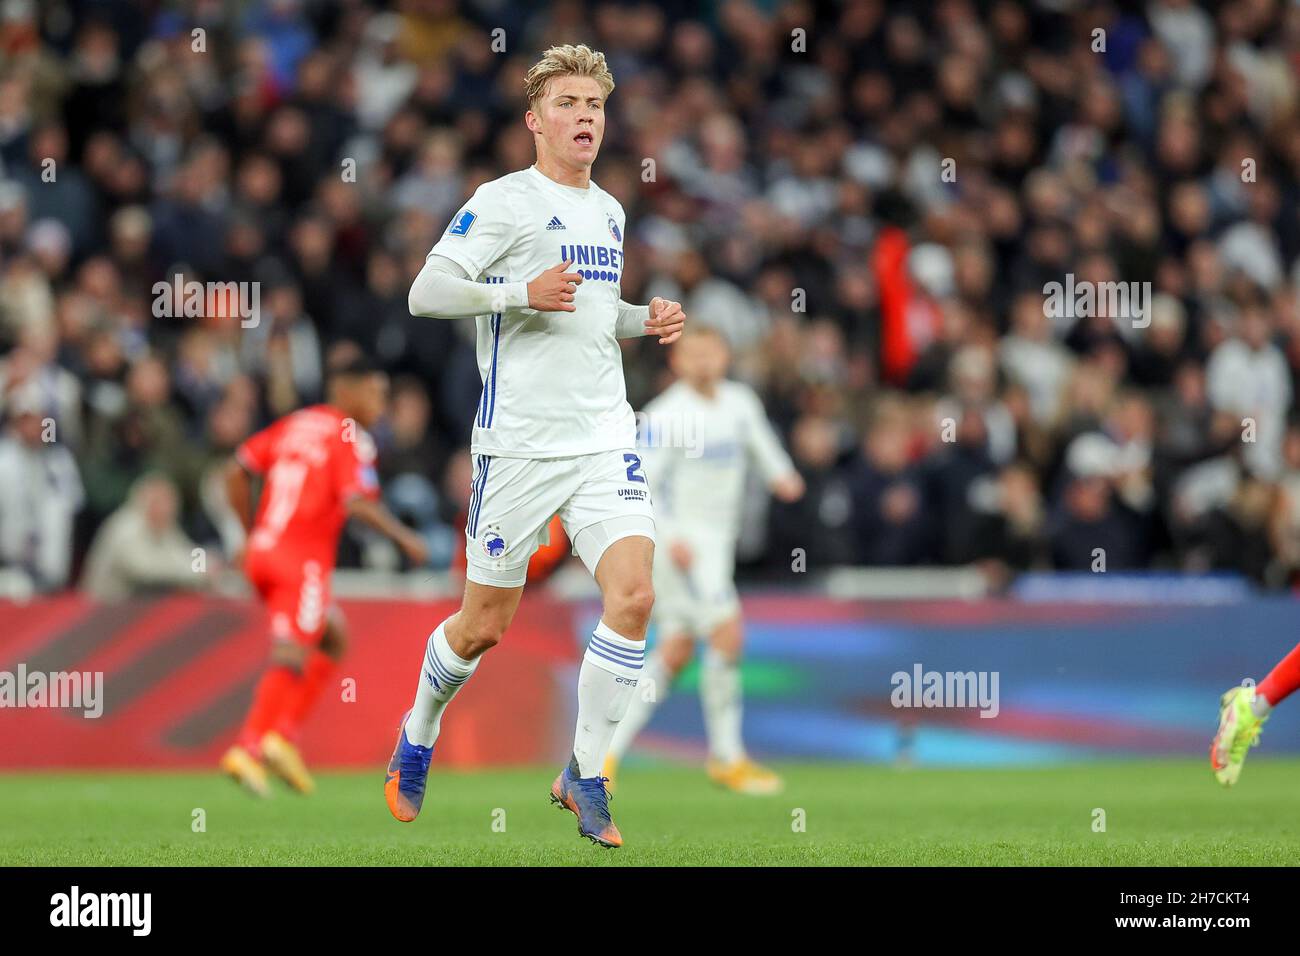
(408, 771)
(588, 798)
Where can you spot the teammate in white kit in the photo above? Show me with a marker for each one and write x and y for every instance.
(536, 256)
(700, 434)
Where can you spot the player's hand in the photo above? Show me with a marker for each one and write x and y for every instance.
(416, 551)
(666, 320)
(788, 488)
(555, 289)
(681, 554)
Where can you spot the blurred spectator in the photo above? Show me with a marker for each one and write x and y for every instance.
(1234, 536)
(890, 523)
(411, 463)
(141, 549)
(1033, 359)
(283, 349)
(1091, 532)
(1247, 375)
(40, 493)
(1284, 521)
(1018, 528)
(31, 369)
(960, 482)
(144, 434)
(818, 525)
(57, 189)
(1121, 451)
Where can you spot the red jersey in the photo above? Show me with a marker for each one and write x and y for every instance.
(313, 461)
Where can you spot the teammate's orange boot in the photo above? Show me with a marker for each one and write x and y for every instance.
(744, 776)
(610, 772)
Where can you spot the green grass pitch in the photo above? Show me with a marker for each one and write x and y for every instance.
(1156, 813)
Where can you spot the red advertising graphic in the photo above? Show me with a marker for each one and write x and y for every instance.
(178, 674)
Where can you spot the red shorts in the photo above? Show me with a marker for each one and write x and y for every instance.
(295, 590)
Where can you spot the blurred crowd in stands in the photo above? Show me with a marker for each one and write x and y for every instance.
(869, 198)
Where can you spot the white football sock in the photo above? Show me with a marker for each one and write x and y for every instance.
(442, 674)
(608, 677)
(721, 696)
(650, 693)
(1259, 705)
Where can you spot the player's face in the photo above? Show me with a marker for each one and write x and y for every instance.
(701, 359)
(366, 397)
(570, 121)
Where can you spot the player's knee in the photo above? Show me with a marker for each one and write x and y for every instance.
(676, 655)
(633, 602)
(482, 634)
(727, 640)
(288, 654)
(334, 642)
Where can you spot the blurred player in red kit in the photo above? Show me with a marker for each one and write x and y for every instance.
(317, 469)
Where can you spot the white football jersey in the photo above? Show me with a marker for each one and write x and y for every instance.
(552, 381)
(695, 451)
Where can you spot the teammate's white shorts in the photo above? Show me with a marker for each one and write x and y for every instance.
(600, 497)
(694, 601)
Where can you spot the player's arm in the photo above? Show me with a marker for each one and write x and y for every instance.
(444, 290)
(356, 483)
(239, 493)
(476, 239)
(773, 463)
(372, 513)
(251, 458)
(662, 317)
(474, 243)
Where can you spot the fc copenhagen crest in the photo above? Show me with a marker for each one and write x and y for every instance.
(493, 544)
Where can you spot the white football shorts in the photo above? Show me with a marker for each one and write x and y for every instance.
(696, 600)
(600, 497)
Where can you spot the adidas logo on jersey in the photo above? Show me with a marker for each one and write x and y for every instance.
(555, 223)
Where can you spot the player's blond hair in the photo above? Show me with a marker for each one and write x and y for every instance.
(567, 60)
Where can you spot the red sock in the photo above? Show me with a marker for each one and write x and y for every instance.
(298, 704)
(277, 686)
(1282, 680)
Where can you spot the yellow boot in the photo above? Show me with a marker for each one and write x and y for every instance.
(286, 762)
(744, 776)
(246, 770)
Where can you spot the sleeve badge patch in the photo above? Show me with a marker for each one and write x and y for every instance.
(461, 224)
